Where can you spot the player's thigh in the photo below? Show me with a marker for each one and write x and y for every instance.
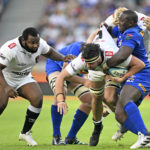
(80, 91)
(129, 93)
(32, 92)
(111, 95)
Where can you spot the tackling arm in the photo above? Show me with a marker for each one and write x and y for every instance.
(119, 57)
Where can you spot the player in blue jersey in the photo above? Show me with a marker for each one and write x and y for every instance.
(53, 69)
(130, 41)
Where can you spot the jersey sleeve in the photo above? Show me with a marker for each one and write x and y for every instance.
(6, 54)
(131, 40)
(45, 46)
(76, 66)
(109, 21)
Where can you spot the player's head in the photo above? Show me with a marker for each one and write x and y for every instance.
(30, 39)
(127, 19)
(92, 55)
(116, 15)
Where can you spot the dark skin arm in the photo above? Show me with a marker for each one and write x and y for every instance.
(119, 57)
(8, 89)
(54, 55)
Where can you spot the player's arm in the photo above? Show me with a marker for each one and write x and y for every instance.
(59, 91)
(92, 36)
(135, 66)
(54, 55)
(9, 90)
(147, 23)
(119, 57)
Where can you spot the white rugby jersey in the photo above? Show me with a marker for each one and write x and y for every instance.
(146, 37)
(109, 48)
(19, 62)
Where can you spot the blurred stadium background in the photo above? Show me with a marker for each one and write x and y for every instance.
(59, 22)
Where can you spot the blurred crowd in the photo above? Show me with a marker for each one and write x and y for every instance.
(3, 5)
(65, 21)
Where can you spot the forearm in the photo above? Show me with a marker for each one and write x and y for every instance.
(54, 55)
(77, 79)
(119, 57)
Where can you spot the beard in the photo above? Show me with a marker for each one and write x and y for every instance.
(29, 49)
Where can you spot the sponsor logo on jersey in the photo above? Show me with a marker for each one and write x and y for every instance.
(21, 64)
(142, 18)
(12, 45)
(24, 73)
(128, 36)
(82, 59)
(109, 53)
(142, 87)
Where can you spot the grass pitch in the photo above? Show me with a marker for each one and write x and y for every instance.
(12, 120)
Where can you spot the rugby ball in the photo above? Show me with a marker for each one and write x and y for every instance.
(117, 72)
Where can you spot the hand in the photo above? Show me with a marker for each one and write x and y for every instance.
(105, 113)
(69, 58)
(116, 79)
(62, 108)
(64, 65)
(147, 23)
(11, 92)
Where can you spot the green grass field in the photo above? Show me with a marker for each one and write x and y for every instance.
(12, 120)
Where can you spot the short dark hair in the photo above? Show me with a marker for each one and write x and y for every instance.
(30, 31)
(90, 50)
(131, 15)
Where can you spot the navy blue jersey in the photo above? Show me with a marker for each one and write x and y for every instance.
(72, 49)
(133, 38)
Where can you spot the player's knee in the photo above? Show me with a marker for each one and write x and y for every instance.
(110, 99)
(37, 100)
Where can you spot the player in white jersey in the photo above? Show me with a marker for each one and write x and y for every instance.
(17, 57)
(143, 23)
(92, 58)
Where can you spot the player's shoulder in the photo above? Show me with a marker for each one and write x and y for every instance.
(11, 46)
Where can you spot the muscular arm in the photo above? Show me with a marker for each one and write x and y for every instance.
(135, 65)
(92, 36)
(8, 89)
(119, 57)
(54, 55)
(2, 80)
(59, 85)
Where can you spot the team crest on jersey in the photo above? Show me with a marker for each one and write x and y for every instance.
(128, 36)
(12, 45)
(108, 53)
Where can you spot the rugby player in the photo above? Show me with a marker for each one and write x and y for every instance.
(17, 57)
(130, 41)
(53, 69)
(93, 58)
